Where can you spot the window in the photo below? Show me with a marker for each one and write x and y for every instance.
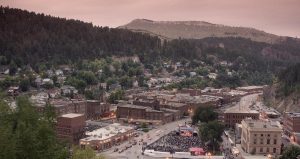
(268, 141)
(267, 149)
(261, 141)
(261, 135)
(261, 149)
(268, 135)
(255, 134)
(254, 142)
(275, 141)
(274, 150)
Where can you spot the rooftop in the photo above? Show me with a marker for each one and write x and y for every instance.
(132, 106)
(262, 124)
(240, 109)
(71, 115)
(250, 87)
(106, 132)
(292, 114)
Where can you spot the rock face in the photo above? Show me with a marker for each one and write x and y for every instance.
(289, 103)
(198, 30)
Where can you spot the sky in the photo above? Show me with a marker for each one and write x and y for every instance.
(280, 17)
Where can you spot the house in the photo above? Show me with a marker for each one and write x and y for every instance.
(4, 70)
(61, 79)
(50, 73)
(47, 81)
(66, 69)
(192, 74)
(59, 72)
(178, 64)
(67, 90)
(135, 83)
(13, 91)
(103, 85)
(54, 93)
(212, 75)
(38, 81)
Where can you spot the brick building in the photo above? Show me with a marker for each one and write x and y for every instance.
(92, 109)
(261, 137)
(95, 109)
(70, 127)
(136, 113)
(291, 122)
(291, 126)
(152, 103)
(181, 107)
(235, 115)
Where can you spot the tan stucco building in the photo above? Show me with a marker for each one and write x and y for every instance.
(261, 137)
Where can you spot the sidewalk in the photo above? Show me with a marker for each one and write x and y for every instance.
(158, 154)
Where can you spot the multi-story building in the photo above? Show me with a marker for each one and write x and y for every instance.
(291, 126)
(95, 109)
(153, 103)
(181, 107)
(261, 137)
(92, 109)
(291, 123)
(136, 113)
(70, 127)
(108, 136)
(235, 115)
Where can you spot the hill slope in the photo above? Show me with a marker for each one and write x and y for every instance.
(285, 94)
(28, 37)
(198, 30)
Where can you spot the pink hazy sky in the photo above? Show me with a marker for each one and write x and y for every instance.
(281, 17)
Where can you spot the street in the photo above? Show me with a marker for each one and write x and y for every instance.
(135, 152)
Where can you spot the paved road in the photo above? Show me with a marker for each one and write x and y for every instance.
(135, 152)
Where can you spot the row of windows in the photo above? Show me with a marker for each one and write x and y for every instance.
(266, 135)
(268, 141)
(261, 150)
(242, 116)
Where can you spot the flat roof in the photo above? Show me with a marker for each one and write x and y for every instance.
(175, 104)
(132, 106)
(250, 87)
(237, 109)
(106, 132)
(262, 124)
(292, 114)
(71, 115)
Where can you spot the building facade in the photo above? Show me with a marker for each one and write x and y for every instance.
(136, 113)
(291, 123)
(233, 117)
(95, 109)
(261, 137)
(70, 127)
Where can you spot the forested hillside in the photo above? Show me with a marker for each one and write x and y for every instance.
(284, 94)
(27, 37)
(30, 38)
